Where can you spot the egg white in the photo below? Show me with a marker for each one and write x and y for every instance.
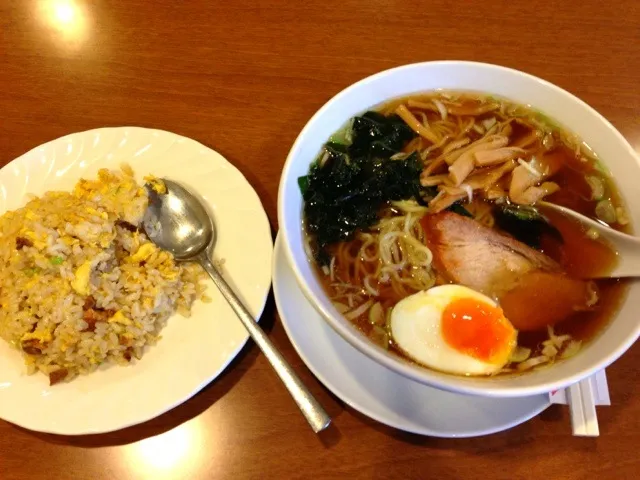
(416, 330)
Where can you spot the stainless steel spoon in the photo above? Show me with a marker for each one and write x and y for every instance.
(178, 222)
(626, 246)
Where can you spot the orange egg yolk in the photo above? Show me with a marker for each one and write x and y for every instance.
(477, 329)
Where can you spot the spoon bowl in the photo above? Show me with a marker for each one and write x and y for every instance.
(627, 247)
(177, 222)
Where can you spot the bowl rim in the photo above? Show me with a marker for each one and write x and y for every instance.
(415, 372)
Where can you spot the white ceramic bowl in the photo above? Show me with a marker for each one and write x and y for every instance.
(592, 127)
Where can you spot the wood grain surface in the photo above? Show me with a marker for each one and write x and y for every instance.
(243, 78)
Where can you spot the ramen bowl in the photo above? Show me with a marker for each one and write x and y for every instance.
(612, 340)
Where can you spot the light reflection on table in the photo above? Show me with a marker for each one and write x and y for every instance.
(67, 18)
(178, 451)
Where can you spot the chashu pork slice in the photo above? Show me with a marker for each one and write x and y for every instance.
(532, 289)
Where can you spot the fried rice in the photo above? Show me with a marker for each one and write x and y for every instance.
(81, 285)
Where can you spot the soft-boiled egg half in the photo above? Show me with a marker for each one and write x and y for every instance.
(453, 329)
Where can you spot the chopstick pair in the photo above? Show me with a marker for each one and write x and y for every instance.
(584, 419)
(582, 398)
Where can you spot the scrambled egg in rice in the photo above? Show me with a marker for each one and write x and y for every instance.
(80, 283)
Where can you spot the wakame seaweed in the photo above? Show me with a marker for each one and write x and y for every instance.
(525, 223)
(346, 188)
(460, 210)
(374, 134)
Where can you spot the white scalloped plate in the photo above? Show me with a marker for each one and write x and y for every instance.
(193, 351)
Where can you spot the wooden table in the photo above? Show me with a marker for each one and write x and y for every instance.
(244, 78)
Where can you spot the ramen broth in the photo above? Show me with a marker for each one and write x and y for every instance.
(579, 183)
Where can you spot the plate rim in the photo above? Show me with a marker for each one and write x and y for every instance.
(280, 256)
(232, 356)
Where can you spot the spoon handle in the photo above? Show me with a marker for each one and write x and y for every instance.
(311, 409)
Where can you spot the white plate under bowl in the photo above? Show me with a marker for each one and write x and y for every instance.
(193, 351)
(376, 391)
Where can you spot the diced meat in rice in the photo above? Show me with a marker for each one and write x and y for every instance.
(22, 242)
(33, 346)
(58, 376)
